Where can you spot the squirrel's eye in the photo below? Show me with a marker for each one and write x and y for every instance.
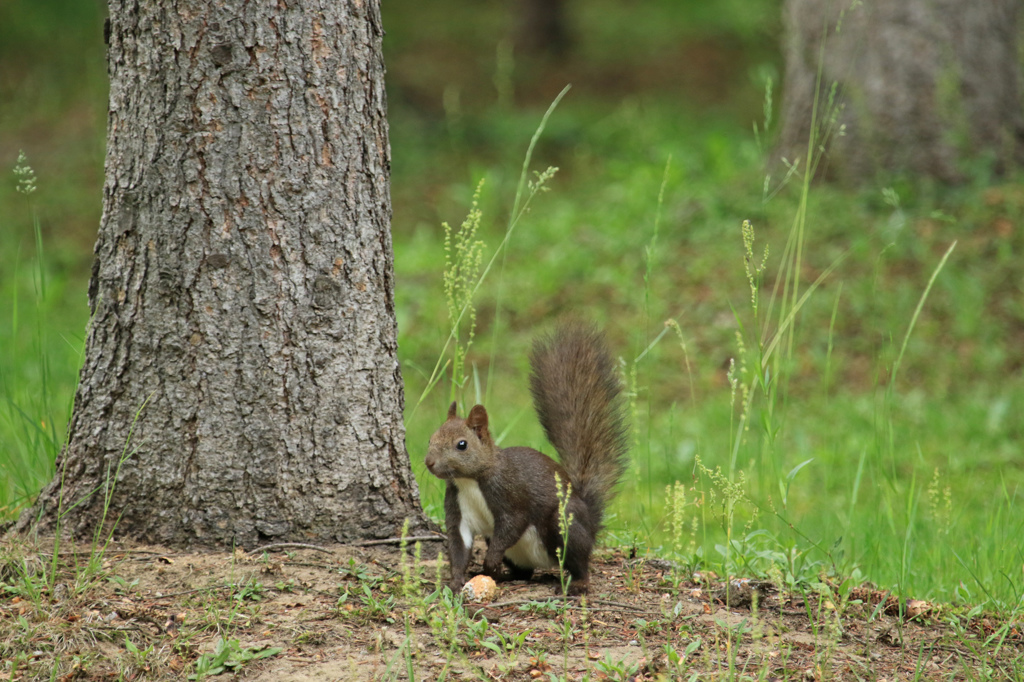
(461, 445)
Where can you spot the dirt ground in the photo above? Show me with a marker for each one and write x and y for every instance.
(361, 613)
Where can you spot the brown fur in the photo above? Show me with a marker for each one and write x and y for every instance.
(577, 397)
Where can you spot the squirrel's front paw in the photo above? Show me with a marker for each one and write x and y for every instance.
(455, 584)
(493, 572)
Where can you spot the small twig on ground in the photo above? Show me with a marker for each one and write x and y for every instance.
(289, 545)
(361, 543)
(111, 550)
(396, 541)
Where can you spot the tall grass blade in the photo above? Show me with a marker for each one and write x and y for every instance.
(917, 313)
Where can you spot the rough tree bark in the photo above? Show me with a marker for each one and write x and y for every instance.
(924, 84)
(241, 294)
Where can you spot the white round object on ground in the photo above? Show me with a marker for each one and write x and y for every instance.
(480, 589)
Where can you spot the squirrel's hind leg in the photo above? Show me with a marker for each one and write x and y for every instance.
(577, 559)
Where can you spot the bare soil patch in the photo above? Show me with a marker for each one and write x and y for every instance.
(362, 613)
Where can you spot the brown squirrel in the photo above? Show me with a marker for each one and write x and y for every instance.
(509, 495)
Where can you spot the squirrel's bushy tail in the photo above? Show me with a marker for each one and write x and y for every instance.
(577, 395)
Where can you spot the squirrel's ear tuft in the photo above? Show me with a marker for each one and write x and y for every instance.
(477, 417)
(477, 420)
(451, 410)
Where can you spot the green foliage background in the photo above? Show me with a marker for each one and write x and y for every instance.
(914, 484)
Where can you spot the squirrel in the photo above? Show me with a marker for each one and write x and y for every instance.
(509, 495)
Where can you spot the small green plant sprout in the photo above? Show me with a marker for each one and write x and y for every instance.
(940, 503)
(753, 269)
(785, 485)
(898, 218)
(252, 590)
(377, 608)
(567, 627)
(462, 261)
(676, 496)
(122, 586)
(342, 603)
(354, 570)
(439, 571)
(403, 557)
(26, 176)
(540, 180)
(676, 660)
(678, 527)
(229, 656)
(452, 628)
(748, 374)
(617, 669)
(563, 491)
(411, 572)
(138, 657)
(404, 654)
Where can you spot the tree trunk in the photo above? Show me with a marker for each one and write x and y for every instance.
(240, 381)
(923, 85)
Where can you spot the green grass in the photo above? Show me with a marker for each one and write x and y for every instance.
(916, 484)
(41, 338)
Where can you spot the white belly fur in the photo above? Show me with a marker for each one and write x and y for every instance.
(477, 519)
(530, 552)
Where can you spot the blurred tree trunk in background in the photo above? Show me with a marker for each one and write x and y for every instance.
(923, 85)
(543, 27)
(241, 296)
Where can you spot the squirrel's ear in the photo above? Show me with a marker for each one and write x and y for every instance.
(477, 420)
(451, 410)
